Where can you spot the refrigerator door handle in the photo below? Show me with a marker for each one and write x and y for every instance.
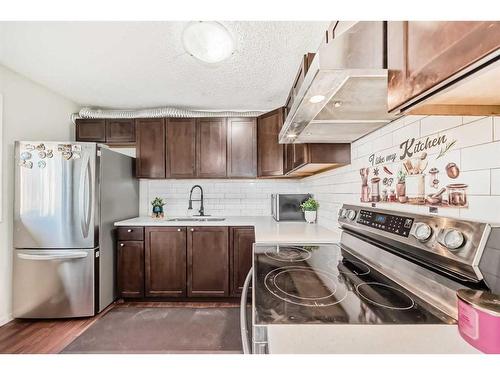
(85, 196)
(243, 315)
(59, 256)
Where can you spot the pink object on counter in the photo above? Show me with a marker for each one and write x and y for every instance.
(479, 319)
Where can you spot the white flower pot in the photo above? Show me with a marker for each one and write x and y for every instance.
(310, 216)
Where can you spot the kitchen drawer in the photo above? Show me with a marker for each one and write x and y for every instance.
(130, 233)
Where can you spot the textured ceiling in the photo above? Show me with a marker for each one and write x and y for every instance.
(143, 64)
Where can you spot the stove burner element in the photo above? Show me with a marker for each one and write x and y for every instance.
(289, 254)
(385, 296)
(304, 286)
(351, 267)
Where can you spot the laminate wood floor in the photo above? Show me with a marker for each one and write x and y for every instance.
(49, 336)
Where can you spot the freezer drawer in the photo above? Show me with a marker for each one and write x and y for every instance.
(53, 283)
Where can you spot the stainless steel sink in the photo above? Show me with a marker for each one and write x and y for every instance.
(197, 219)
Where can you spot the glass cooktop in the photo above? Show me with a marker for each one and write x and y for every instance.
(325, 284)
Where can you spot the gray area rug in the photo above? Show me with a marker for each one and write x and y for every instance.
(162, 330)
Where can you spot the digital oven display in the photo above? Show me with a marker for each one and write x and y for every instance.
(399, 225)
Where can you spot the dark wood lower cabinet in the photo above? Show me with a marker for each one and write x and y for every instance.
(208, 262)
(183, 262)
(165, 261)
(130, 269)
(241, 244)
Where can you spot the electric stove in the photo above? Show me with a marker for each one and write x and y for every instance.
(325, 284)
(389, 268)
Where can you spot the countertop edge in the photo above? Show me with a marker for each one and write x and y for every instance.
(267, 230)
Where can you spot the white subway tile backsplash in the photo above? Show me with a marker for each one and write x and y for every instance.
(496, 132)
(435, 124)
(495, 182)
(382, 143)
(467, 119)
(405, 133)
(471, 134)
(474, 152)
(411, 119)
(478, 182)
(481, 157)
(222, 197)
(482, 208)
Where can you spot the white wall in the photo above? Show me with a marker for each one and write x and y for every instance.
(476, 152)
(222, 197)
(30, 111)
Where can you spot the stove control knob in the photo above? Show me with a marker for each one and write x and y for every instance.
(422, 232)
(351, 214)
(342, 213)
(452, 239)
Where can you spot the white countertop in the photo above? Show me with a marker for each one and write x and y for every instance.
(367, 339)
(267, 230)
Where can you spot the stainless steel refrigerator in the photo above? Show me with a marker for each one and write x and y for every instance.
(67, 197)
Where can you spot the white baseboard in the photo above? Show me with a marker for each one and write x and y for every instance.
(5, 319)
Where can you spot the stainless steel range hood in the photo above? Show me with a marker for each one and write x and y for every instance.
(349, 71)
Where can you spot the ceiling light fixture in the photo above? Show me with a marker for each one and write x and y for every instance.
(208, 41)
(316, 99)
(337, 104)
(291, 135)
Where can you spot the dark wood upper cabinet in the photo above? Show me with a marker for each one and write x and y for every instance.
(208, 262)
(241, 147)
(181, 147)
(241, 244)
(289, 156)
(421, 55)
(309, 158)
(130, 269)
(305, 63)
(300, 154)
(165, 261)
(89, 130)
(120, 131)
(151, 139)
(270, 154)
(211, 147)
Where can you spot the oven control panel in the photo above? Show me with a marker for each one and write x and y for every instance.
(394, 224)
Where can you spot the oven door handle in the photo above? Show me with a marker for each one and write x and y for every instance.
(243, 315)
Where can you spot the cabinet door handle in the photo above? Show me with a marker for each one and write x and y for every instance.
(179, 230)
(129, 230)
(192, 229)
(121, 245)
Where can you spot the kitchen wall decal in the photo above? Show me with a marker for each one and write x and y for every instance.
(420, 172)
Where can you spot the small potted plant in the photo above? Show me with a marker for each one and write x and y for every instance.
(310, 208)
(401, 187)
(158, 204)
